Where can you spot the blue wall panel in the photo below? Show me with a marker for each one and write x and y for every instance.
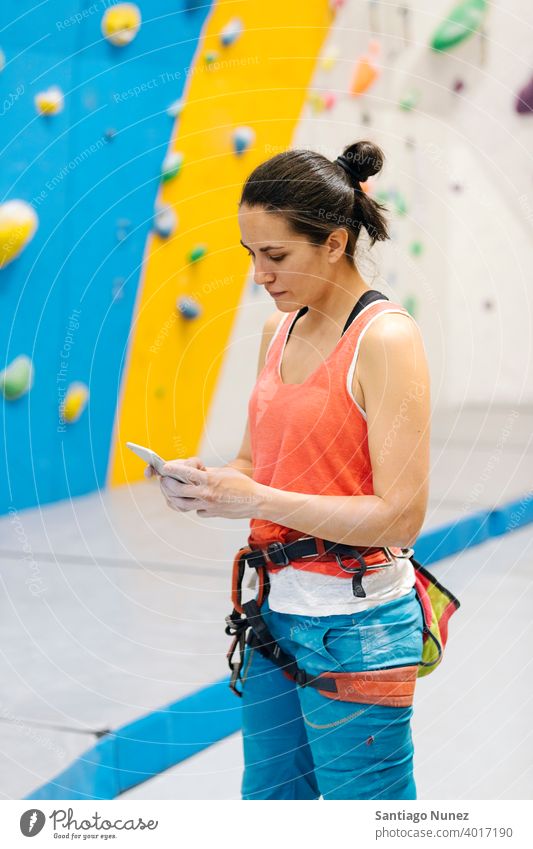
(94, 196)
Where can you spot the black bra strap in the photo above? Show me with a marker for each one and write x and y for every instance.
(366, 298)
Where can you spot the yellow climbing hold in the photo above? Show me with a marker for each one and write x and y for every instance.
(75, 402)
(121, 23)
(18, 223)
(49, 102)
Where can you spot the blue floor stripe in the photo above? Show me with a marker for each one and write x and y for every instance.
(146, 747)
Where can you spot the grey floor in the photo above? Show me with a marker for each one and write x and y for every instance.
(112, 606)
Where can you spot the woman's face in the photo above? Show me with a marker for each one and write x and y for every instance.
(293, 270)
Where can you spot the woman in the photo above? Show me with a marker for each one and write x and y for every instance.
(336, 448)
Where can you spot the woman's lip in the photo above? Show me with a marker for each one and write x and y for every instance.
(277, 294)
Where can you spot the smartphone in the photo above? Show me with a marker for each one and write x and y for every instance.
(152, 459)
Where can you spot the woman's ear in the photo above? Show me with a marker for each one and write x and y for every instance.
(336, 244)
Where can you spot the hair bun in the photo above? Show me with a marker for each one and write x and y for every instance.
(361, 160)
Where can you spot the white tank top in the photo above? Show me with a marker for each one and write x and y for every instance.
(313, 594)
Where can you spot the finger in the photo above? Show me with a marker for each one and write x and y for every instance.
(174, 488)
(185, 505)
(188, 473)
(196, 462)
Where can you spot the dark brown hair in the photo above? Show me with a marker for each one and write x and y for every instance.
(316, 195)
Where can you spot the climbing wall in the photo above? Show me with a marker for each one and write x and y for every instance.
(445, 89)
(128, 310)
(128, 129)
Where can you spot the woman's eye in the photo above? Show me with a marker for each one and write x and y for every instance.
(278, 258)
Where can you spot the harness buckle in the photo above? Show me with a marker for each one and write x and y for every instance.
(277, 548)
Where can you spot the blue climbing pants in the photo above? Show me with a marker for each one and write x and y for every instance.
(299, 744)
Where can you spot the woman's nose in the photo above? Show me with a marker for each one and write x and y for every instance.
(262, 277)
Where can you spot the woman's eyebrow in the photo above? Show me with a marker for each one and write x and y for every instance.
(267, 248)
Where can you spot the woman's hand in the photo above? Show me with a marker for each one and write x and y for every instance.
(195, 462)
(222, 492)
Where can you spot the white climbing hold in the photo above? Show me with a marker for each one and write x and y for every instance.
(175, 108)
(165, 221)
(49, 102)
(231, 32)
(121, 23)
(243, 137)
(171, 165)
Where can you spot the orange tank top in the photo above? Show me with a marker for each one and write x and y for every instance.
(311, 437)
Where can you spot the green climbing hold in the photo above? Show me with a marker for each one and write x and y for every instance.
(171, 166)
(196, 253)
(464, 19)
(409, 101)
(410, 304)
(416, 248)
(382, 196)
(17, 378)
(400, 204)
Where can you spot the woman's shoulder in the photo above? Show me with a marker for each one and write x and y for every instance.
(391, 321)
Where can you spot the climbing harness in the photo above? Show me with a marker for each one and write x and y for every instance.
(393, 686)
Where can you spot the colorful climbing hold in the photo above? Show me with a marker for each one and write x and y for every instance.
(160, 392)
(17, 378)
(366, 71)
(171, 165)
(410, 304)
(18, 223)
(175, 108)
(329, 59)
(409, 100)
(188, 307)
(416, 248)
(458, 86)
(121, 23)
(336, 5)
(524, 99)
(316, 102)
(196, 253)
(400, 204)
(210, 56)
(2, 60)
(49, 102)
(330, 99)
(165, 221)
(463, 20)
(118, 288)
(123, 226)
(231, 32)
(75, 402)
(243, 137)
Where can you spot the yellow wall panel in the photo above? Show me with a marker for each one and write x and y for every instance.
(173, 364)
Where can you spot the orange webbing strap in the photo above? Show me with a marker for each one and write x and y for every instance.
(393, 687)
(239, 568)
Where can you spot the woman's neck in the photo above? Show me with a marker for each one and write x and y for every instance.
(336, 304)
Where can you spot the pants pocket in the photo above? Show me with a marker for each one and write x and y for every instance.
(342, 646)
(394, 643)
